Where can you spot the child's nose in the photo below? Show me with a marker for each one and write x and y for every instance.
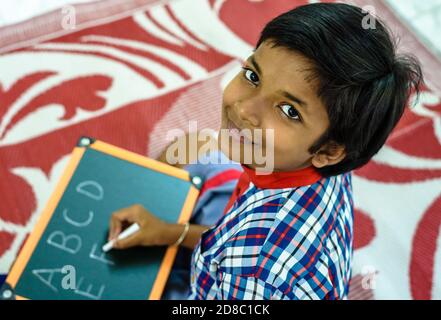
(249, 112)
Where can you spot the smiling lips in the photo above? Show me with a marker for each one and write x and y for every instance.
(235, 133)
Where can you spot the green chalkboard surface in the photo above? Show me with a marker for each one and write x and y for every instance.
(64, 259)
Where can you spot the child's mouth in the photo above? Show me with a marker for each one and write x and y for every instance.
(236, 134)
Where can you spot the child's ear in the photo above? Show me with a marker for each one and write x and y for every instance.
(328, 155)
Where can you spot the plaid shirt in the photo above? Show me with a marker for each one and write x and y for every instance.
(282, 236)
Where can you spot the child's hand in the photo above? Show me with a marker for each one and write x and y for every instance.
(151, 233)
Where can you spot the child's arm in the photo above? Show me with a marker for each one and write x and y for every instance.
(153, 231)
(191, 239)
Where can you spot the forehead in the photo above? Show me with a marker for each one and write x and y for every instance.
(284, 69)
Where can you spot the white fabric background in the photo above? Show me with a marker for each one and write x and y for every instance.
(13, 11)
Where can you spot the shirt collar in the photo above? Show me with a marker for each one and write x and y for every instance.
(283, 179)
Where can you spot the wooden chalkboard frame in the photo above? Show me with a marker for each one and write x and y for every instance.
(25, 254)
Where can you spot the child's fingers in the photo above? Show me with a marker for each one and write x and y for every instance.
(119, 217)
(131, 241)
(115, 229)
(115, 226)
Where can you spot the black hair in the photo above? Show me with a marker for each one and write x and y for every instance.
(362, 80)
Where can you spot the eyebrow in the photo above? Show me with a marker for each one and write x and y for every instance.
(293, 98)
(255, 64)
(283, 93)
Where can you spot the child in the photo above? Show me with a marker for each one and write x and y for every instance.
(332, 90)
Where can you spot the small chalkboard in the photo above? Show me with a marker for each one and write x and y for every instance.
(62, 258)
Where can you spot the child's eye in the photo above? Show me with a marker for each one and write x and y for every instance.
(290, 111)
(250, 75)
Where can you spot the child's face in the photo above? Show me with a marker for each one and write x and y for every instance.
(254, 99)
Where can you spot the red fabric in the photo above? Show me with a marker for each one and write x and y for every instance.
(6, 239)
(275, 180)
(220, 179)
(286, 179)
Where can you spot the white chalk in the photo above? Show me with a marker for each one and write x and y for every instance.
(126, 233)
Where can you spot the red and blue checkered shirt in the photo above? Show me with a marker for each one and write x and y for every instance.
(287, 235)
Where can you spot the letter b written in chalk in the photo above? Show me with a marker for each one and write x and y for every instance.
(70, 243)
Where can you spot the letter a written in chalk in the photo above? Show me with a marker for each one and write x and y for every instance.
(46, 276)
